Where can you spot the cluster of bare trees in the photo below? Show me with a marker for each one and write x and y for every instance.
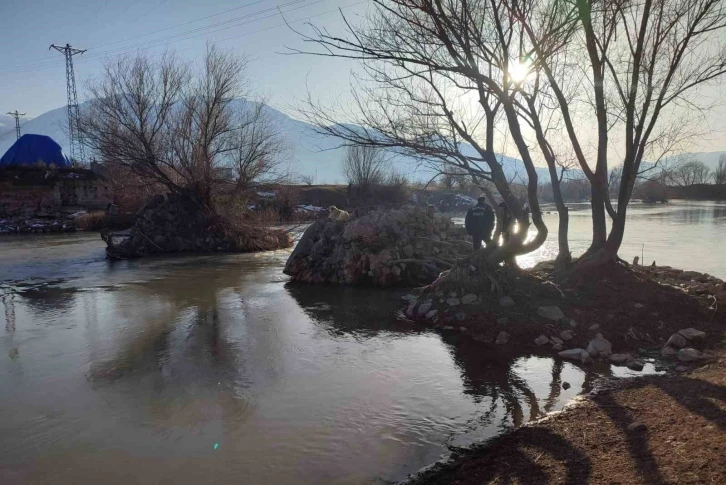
(370, 175)
(583, 83)
(166, 124)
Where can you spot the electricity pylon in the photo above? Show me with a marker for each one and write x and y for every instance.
(17, 116)
(74, 120)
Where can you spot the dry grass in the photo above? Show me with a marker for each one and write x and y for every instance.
(91, 221)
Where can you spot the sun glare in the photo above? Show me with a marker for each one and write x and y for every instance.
(518, 70)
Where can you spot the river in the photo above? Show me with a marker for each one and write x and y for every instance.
(214, 369)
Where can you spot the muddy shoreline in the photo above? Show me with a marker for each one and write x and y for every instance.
(628, 430)
(651, 429)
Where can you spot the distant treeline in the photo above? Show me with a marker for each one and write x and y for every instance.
(699, 192)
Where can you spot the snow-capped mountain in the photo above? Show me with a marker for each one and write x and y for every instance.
(311, 154)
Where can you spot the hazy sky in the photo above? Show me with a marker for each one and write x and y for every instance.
(32, 79)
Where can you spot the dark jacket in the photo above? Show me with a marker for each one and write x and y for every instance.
(479, 220)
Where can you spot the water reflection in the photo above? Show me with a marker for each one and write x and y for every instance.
(141, 378)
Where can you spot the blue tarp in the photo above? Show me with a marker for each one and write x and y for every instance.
(30, 149)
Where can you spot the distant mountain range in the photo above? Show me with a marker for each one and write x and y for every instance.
(311, 154)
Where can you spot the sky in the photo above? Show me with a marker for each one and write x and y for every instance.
(32, 78)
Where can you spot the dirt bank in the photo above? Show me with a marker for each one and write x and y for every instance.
(654, 430)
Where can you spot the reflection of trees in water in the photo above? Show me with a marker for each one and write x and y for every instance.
(9, 307)
(48, 298)
(489, 375)
(348, 309)
(174, 344)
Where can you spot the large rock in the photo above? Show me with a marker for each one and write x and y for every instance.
(692, 334)
(600, 347)
(689, 355)
(380, 248)
(424, 308)
(541, 340)
(677, 341)
(469, 299)
(668, 351)
(550, 313)
(578, 355)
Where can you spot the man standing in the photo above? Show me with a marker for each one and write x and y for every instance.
(479, 223)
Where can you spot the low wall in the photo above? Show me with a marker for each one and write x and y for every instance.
(41, 192)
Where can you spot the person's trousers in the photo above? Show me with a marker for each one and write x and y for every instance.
(477, 239)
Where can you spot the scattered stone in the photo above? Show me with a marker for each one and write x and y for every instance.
(689, 355)
(639, 305)
(682, 368)
(502, 321)
(594, 327)
(600, 347)
(677, 341)
(541, 340)
(409, 310)
(573, 324)
(668, 351)
(448, 327)
(461, 316)
(463, 329)
(502, 338)
(637, 426)
(452, 301)
(506, 302)
(579, 355)
(556, 340)
(566, 335)
(550, 313)
(409, 297)
(692, 334)
(566, 385)
(424, 308)
(620, 359)
(469, 299)
(557, 347)
(431, 314)
(634, 364)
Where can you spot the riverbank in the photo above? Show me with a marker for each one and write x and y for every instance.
(655, 429)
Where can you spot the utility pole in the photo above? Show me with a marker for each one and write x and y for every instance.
(17, 116)
(74, 120)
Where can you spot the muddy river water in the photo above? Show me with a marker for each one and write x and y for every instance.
(213, 369)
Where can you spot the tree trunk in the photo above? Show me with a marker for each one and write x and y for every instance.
(599, 217)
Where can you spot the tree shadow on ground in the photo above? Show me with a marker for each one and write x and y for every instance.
(697, 396)
(513, 459)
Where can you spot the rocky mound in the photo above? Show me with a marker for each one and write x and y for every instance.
(171, 224)
(408, 246)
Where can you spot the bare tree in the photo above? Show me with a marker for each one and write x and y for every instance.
(719, 175)
(184, 129)
(307, 180)
(365, 166)
(689, 172)
(443, 83)
(647, 61)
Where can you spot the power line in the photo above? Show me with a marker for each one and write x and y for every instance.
(17, 116)
(154, 43)
(74, 120)
(33, 66)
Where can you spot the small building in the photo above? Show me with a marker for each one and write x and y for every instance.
(38, 180)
